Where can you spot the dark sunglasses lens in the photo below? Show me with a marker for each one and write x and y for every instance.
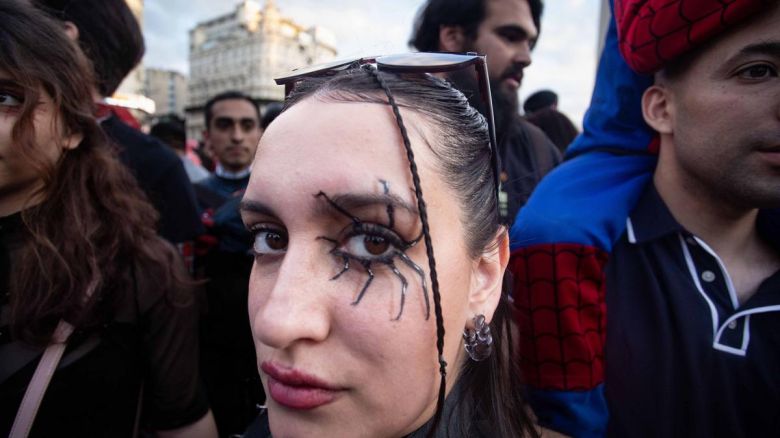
(305, 71)
(423, 59)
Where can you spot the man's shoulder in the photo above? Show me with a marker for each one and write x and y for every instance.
(211, 182)
(137, 148)
(528, 141)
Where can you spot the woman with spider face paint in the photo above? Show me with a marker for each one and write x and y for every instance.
(355, 321)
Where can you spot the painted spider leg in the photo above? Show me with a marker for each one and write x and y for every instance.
(338, 207)
(390, 208)
(367, 266)
(421, 273)
(404, 285)
(415, 241)
(343, 270)
(334, 252)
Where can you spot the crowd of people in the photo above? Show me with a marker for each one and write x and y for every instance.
(394, 250)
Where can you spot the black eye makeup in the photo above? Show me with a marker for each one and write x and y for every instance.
(370, 244)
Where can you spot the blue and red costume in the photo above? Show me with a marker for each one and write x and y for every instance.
(563, 237)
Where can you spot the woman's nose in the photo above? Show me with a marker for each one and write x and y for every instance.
(291, 304)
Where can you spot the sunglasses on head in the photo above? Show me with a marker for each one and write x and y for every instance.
(409, 63)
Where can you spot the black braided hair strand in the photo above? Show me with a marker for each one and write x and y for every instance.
(428, 247)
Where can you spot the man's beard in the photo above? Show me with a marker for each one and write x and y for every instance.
(505, 104)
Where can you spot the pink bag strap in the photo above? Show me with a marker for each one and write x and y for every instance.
(25, 416)
(40, 381)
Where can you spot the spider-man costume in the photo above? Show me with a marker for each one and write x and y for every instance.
(563, 237)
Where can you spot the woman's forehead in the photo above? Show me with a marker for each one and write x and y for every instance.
(333, 147)
(333, 123)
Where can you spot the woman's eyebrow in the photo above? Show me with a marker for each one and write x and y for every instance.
(355, 201)
(251, 206)
(11, 83)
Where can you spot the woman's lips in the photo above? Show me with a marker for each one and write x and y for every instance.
(295, 389)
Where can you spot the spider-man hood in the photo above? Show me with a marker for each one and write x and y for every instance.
(648, 33)
(654, 32)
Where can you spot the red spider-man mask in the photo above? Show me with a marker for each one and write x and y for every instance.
(654, 32)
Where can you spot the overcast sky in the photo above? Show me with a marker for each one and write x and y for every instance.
(564, 59)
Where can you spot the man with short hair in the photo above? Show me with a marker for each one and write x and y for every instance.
(506, 31)
(228, 356)
(110, 36)
(231, 137)
(655, 312)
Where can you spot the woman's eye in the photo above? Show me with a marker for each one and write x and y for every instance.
(9, 100)
(759, 71)
(268, 242)
(368, 246)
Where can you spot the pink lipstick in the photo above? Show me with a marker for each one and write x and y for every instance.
(295, 389)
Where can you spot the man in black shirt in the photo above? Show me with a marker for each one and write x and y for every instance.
(506, 31)
(694, 314)
(649, 289)
(109, 34)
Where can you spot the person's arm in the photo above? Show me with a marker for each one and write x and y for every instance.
(174, 399)
(203, 428)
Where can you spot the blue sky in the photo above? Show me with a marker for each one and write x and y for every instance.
(564, 59)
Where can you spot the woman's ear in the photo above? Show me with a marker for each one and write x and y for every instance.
(71, 30)
(657, 108)
(488, 278)
(72, 141)
(451, 39)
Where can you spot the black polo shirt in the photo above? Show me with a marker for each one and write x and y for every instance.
(683, 357)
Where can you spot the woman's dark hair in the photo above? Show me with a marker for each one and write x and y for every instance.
(93, 224)
(468, 14)
(109, 35)
(490, 391)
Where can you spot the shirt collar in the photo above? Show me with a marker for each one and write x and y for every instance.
(651, 219)
(222, 173)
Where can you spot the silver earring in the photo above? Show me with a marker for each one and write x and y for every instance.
(478, 342)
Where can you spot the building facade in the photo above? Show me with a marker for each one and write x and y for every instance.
(245, 50)
(130, 93)
(605, 15)
(168, 90)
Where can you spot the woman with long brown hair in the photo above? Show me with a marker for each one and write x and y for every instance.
(81, 262)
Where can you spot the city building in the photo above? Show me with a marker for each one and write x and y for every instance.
(244, 50)
(130, 93)
(168, 90)
(605, 15)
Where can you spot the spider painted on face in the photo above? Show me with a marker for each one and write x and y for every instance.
(361, 242)
(367, 244)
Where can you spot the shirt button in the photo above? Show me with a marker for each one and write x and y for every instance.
(708, 276)
(733, 325)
